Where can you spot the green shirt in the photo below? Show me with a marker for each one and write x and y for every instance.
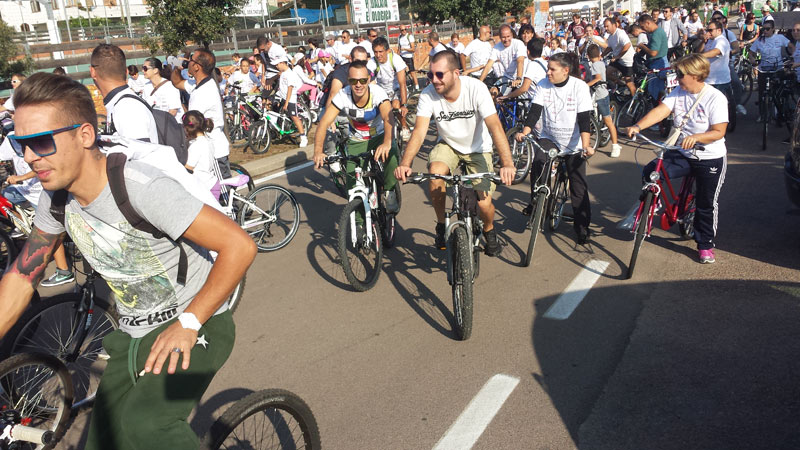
(657, 40)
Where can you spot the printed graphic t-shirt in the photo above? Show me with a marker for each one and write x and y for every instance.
(365, 122)
(712, 110)
(141, 271)
(461, 123)
(561, 106)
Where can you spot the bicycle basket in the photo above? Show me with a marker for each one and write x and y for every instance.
(469, 200)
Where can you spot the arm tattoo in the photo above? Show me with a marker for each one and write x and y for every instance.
(35, 254)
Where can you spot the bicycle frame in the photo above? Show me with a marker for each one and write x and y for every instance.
(19, 217)
(463, 220)
(227, 208)
(369, 197)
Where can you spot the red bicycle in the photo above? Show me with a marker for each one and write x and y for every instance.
(655, 199)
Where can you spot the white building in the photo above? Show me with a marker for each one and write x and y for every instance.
(30, 15)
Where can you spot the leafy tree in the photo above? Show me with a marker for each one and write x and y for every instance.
(469, 12)
(198, 21)
(10, 63)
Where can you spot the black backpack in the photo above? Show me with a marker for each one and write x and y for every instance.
(170, 132)
(115, 170)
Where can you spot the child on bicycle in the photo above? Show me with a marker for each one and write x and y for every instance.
(201, 151)
(596, 79)
(288, 86)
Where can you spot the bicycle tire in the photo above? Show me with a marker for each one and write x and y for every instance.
(49, 327)
(53, 397)
(260, 138)
(521, 155)
(238, 168)
(236, 296)
(278, 406)
(629, 113)
(8, 251)
(605, 134)
(535, 224)
(463, 276)
(594, 133)
(411, 105)
(285, 216)
(362, 253)
(765, 117)
(555, 213)
(389, 220)
(731, 117)
(686, 220)
(640, 232)
(746, 77)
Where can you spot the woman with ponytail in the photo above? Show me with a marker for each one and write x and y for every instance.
(201, 162)
(161, 95)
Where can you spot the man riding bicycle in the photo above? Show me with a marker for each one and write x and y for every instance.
(467, 124)
(390, 75)
(367, 108)
(162, 315)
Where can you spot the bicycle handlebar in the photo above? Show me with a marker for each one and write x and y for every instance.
(559, 153)
(419, 177)
(661, 145)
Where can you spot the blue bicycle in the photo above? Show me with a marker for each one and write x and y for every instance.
(512, 115)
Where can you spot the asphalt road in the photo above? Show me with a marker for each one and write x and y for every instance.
(682, 356)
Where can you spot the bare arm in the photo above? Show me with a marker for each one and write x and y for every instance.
(177, 79)
(507, 171)
(486, 69)
(655, 116)
(336, 86)
(17, 285)
(526, 85)
(319, 138)
(412, 148)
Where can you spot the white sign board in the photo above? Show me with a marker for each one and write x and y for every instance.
(371, 11)
(254, 8)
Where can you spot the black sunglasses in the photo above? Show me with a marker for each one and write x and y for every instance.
(439, 75)
(710, 29)
(354, 81)
(145, 68)
(42, 144)
(768, 28)
(679, 74)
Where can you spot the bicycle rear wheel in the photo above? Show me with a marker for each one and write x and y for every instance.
(53, 327)
(271, 217)
(462, 282)
(766, 116)
(360, 255)
(640, 232)
(535, 225)
(238, 168)
(236, 295)
(39, 388)
(594, 133)
(260, 138)
(268, 419)
(686, 219)
(411, 105)
(629, 113)
(521, 155)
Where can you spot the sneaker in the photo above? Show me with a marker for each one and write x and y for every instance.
(788, 140)
(390, 200)
(440, 242)
(528, 210)
(615, 150)
(58, 279)
(741, 110)
(759, 119)
(583, 236)
(303, 141)
(707, 256)
(493, 248)
(405, 134)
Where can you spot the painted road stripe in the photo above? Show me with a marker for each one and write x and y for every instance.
(283, 172)
(576, 291)
(469, 426)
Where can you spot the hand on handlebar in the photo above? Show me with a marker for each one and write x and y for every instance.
(588, 152)
(382, 152)
(13, 179)
(520, 137)
(402, 173)
(631, 131)
(507, 174)
(689, 142)
(319, 160)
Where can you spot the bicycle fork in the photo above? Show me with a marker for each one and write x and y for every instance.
(370, 201)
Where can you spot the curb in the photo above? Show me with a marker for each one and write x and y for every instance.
(279, 161)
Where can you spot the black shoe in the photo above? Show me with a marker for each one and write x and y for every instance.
(583, 236)
(528, 210)
(440, 242)
(788, 140)
(493, 248)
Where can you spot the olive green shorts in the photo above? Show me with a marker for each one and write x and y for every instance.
(475, 163)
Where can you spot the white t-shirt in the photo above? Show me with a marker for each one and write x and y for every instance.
(507, 58)
(206, 99)
(720, 72)
(31, 188)
(461, 124)
(713, 109)
(405, 45)
(139, 84)
(367, 46)
(693, 27)
(438, 48)
(617, 41)
(561, 106)
(131, 118)
(201, 157)
(165, 98)
(458, 48)
(386, 74)
(333, 51)
(478, 52)
(323, 69)
(301, 73)
(9, 104)
(770, 49)
(289, 78)
(365, 122)
(241, 80)
(343, 51)
(642, 38)
(536, 71)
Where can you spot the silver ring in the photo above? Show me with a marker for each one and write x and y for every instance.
(177, 350)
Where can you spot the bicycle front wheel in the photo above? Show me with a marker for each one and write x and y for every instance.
(40, 389)
(558, 200)
(629, 113)
(746, 77)
(521, 155)
(594, 133)
(260, 139)
(535, 226)
(462, 282)
(360, 253)
(766, 116)
(54, 327)
(268, 419)
(640, 231)
(271, 217)
(411, 105)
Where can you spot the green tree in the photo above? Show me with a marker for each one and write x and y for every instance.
(198, 21)
(10, 62)
(469, 12)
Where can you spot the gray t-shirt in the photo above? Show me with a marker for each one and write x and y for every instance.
(594, 68)
(140, 270)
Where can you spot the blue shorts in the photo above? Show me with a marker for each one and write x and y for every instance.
(604, 106)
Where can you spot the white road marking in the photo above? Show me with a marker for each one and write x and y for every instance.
(469, 426)
(563, 307)
(283, 172)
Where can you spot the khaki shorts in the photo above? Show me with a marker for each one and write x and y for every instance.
(476, 163)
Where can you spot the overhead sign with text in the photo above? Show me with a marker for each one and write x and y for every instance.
(370, 11)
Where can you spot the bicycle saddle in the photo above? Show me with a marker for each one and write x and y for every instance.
(235, 181)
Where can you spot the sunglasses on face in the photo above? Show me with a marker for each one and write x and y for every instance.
(768, 28)
(355, 81)
(439, 75)
(42, 144)
(679, 74)
(145, 68)
(710, 29)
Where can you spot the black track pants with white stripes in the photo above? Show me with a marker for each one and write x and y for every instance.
(709, 176)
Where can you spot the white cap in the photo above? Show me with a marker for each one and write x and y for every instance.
(279, 60)
(297, 57)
